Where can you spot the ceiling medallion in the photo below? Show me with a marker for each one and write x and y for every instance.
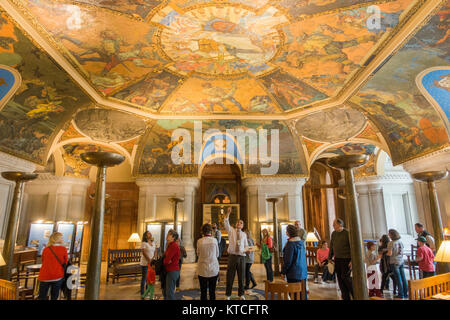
(220, 41)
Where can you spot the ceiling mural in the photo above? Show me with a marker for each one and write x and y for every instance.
(199, 95)
(147, 54)
(9, 82)
(434, 83)
(109, 125)
(409, 123)
(325, 50)
(45, 99)
(331, 125)
(157, 151)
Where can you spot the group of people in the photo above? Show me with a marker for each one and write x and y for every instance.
(241, 252)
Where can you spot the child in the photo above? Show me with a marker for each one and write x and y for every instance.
(150, 283)
(425, 258)
(373, 276)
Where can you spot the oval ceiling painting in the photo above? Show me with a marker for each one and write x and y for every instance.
(109, 125)
(331, 125)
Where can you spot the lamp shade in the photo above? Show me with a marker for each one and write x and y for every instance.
(134, 238)
(2, 261)
(443, 254)
(311, 237)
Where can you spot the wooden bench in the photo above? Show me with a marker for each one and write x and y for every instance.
(123, 263)
(427, 287)
(8, 290)
(285, 291)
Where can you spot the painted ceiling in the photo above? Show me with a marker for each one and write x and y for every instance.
(124, 74)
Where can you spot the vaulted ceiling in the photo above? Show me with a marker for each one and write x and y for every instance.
(121, 75)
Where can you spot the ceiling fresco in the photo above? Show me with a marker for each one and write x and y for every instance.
(331, 125)
(391, 98)
(45, 99)
(144, 53)
(108, 125)
(301, 67)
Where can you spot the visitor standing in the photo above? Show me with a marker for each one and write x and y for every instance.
(294, 257)
(425, 258)
(266, 253)
(208, 264)
(395, 253)
(301, 232)
(249, 260)
(148, 253)
(171, 265)
(371, 259)
(54, 259)
(340, 251)
(237, 243)
(218, 236)
(385, 267)
(183, 255)
(421, 232)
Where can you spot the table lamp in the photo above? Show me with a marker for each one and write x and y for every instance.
(2, 261)
(134, 238)
(443, 254)
(311, 237)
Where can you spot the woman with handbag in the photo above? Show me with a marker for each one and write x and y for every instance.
(54, 262)
(266, 253)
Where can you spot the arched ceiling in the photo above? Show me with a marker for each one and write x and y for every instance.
(126, 73)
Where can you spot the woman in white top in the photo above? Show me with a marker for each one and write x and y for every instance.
(148, 253)
(208, 263)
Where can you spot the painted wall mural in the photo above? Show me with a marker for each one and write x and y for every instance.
(9, 83)
(298, 8)
(45, 98)
(331, 125)
(411, 126)
(73, 165)
(135, 8)
(109, 125)
(156, 153)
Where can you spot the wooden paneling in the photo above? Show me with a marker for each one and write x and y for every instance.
(120, 217)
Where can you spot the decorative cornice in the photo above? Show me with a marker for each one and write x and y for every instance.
(263, 181)
(48, 178)
(166, 181)
(387, 178)
(11, 163)
(438, 160)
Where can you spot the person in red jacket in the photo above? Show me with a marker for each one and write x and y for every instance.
(51, 275)
(171, 265)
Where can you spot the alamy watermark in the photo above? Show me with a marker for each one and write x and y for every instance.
(233, 145)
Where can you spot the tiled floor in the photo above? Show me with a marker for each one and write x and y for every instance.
(128, 289)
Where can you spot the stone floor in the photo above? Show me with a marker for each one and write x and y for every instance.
(128, 288)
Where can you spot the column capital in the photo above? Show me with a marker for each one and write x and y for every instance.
(435, 161)
(48, 178)
(393, 177)
(264, 181)
(9, 163)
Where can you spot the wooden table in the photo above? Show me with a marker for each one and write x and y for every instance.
(444, 293)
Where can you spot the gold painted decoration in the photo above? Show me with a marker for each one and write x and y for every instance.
(70, 133)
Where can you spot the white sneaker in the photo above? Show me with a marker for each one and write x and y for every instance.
(242, 297)
(228, 297)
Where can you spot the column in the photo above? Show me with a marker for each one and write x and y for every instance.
(347, 163)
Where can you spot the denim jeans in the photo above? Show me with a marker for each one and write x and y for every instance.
(54, 286)
(269, 270)
(171, 281)
(143, 279)
(399, 276)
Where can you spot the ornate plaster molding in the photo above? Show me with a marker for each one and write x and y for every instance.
(168, 181)
(394, 177)
(11, 163)
(438, 160)
(264, 181)
(48, 178)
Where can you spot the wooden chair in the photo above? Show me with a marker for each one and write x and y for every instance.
(311, 258)
(427, 287)
(8, 290)
(285, 291)
(413, 266)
